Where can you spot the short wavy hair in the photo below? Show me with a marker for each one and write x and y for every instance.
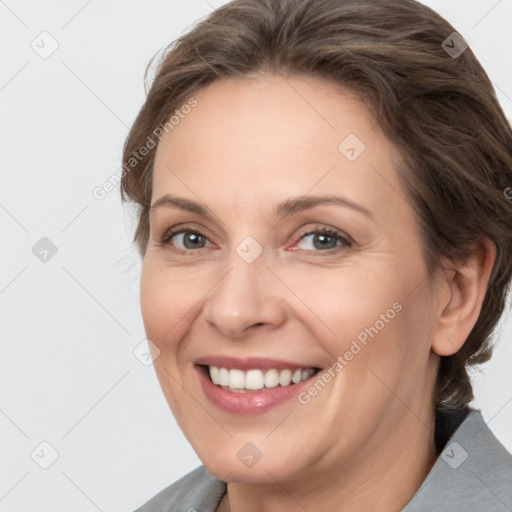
(439, 109)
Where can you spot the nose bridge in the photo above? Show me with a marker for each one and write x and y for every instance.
(244, 296)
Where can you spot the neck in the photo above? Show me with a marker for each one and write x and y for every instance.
(383, 476)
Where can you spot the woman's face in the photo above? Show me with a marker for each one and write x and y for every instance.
(293, 249)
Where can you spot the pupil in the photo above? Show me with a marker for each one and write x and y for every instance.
(322, 238)
(194, 240)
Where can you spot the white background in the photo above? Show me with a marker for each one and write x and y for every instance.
(70, 325)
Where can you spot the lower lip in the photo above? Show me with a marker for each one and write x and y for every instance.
(252, 402)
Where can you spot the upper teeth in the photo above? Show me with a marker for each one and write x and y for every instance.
(257, 379)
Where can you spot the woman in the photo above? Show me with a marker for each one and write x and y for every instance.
(326, 245)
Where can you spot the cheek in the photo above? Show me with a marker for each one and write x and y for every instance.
(164, 304)
(340, 305)
(152, 302)
(165, 301)
(379, 320)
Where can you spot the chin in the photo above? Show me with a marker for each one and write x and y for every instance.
(242, 462)
(260, 473)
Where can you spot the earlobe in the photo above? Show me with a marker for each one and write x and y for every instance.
(461, 298)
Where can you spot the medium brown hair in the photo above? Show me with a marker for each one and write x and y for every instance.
(440, 111)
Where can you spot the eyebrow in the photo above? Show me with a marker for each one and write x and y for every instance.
(286, 208)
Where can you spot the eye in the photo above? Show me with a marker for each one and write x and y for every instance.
(320, 239)
(185, 239)
(323, 239)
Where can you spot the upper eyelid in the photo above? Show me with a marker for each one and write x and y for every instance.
(183, 229)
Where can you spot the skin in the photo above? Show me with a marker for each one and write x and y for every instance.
(365, 442)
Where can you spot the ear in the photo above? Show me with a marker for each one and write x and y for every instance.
(461, 293)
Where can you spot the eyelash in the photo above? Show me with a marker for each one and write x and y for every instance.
(346, 241)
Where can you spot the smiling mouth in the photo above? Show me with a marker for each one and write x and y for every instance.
(256, 380)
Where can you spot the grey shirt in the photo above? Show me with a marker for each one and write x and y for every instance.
(472, 474)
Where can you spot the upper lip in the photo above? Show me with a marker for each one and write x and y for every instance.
(249, 363)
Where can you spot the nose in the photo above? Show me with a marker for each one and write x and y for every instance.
(245, 299)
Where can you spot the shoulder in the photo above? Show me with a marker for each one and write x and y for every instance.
(473, 473)
(198, 491)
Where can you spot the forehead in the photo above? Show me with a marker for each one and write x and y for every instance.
(267, 138)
